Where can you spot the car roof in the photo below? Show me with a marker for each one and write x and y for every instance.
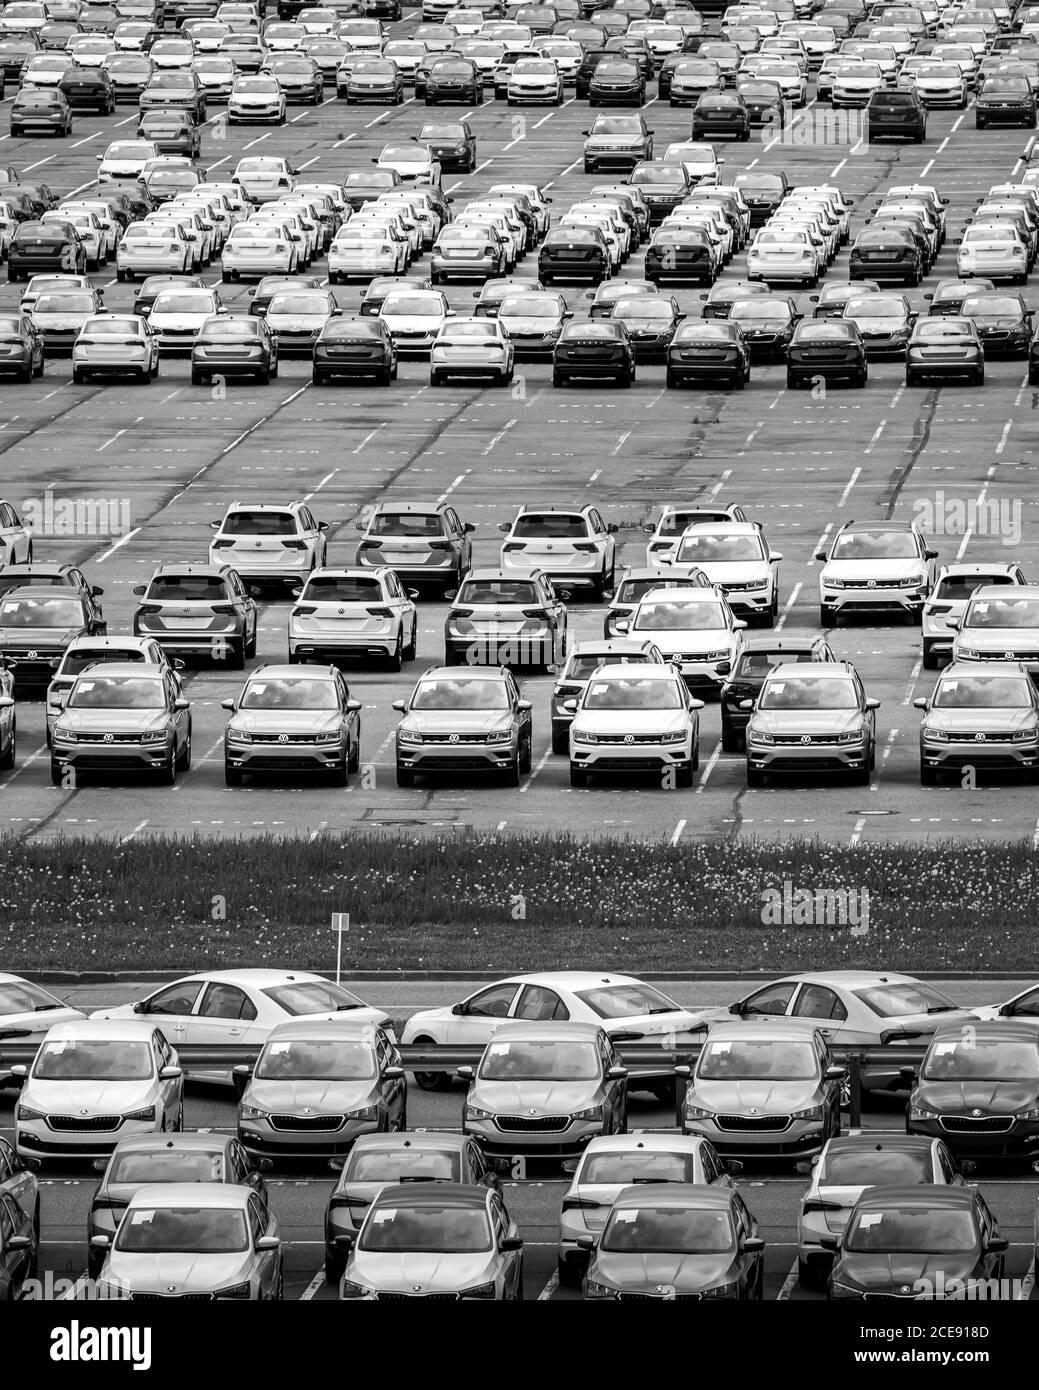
(561, 1032)
(924, 1194)
(877, 1141)
(572, 979)
(675, 1194)
(30, 567)
(880, 525)
(786, 1027)
(781, 644)
(486, 673)
(466, 1195)
(653, 1141)
(343, 1029)
(439, 1140)
(201, 1140)
(816, 670)
(169, 567)
(43, 591)
(195, 1194)
(108, 1029)
(852, 978)
(532, 573)
(626, 646)
(284, 672)
(1000, 591)
(257, 977)
(979, 567)
(992, 1030)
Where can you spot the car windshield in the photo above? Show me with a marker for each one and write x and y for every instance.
(413, 306)
(530, 306)
(876, 545)
(970, 1058)
(668, 176)
(428, 1229)
(337, 588)
(117, 692)
(1008, 612)
(911, 1230)
(711, 548)
(66, 302)
(197, 588)
(875, 306)
(21, 997)
(139, 1167)
(77, 661)
(904, 999)
(663, 615)
(41, 612)
(874, 1167)
(81, 1059)
(983, 692)
(616, 125)
(225, 331)
(170, 302)
(313, 1059)
(290, 692)
(939, 328)
(466, 332)
(962, 586)
(669, 1230)
(810, 692)
(401, 1165)
(183, 1231)
(292, 303)
(633, 692)
(758, 1059)
(581, 668)
(643, 1166)
(553, 1059)
(626, 1001)
(460, 693)
(645, 307)
(991, 305)
(246, 523)
(312, 997)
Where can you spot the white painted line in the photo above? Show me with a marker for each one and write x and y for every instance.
(312, 1288)
(914, 676)
(856, 834)
(539, 766)
(719, 484)
(821, 543)
(30, 167)
(118, 545)
(927, 168)
(781, 621)
(711, 764)
(257, 141)
(884, 755)
(789, 1285)
(550, 1288)
(595, 476)
(368, 438)
(616, 448)
(118, 434)
(838, 169)
(499, 436)
(898, 395)
(1003, 437)
(851, 483)
(136, 830)
(318, 486)
(1027, 1284)
(876, 435)
(460, 479)
(677, 835)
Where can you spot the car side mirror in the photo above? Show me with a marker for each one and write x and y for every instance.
(907, 1075)
(139, 590)
(19, 1072)
(617, 1073)
(584, 1243)
(828, 1242)
(835, 1073)
(344, 1241)
(804, 1167)
(268, 1243)
(241, 1075)
(954, 623)
(170, 1073)
(753, 1244)
(401, 706)
(967, 1167)
(394, 1073)
(570, 706)
(820, 555)
(873, 703)
(511, 1243)
(739, 624)
(464, 1073)
(930, 554)
(100, 1242)
(181, 703)
(450, 594)
(997, 1245)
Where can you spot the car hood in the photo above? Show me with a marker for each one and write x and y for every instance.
(610, 142)
(72, 319)
(679, 639)
(530, 325)
(296, 320)
(412, 323)
(419, 1272)
(878, 568)
(114, 721)
(734, 572)
(647, 721)
(38, 636)
(683, 1273)
(191, 1272)
(769, 1097)
(999, 639)
(875, 1271)
(816, 721)
(458, 722)
(981, 720)
(990, 1097)
(286, 721)
(94, 1097)
(544, 1097)
(323, 1097)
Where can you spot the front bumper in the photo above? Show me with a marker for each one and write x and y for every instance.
(567, 1142)
(35, 1138)
(991, 1137)
(641, 755)
(986, 750)
(799, 1138)
(260, 1139)
(824, 755)
(296, 754)
(878, 598)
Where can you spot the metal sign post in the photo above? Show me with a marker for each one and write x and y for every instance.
(340, 924)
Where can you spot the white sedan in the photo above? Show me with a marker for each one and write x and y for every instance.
(240, 1007)
(624, 1006)
(28, 1012)
(1023, 1005)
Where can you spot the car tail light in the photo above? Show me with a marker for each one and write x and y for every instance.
(223, 545)
(440, 545)
(150, 608)
(581, 1204)
(379, 612)
(294, 545)
(542, 613)
(221, 608)
(585, 547)
(304, 609)
(514, 545)
(370, 545)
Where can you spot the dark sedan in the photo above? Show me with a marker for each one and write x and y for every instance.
(768, 324)
(574, 253)
(763, 100)
(36, 111)
(949, 295)
(171, 131)
(617, 82)
(945, 347)
(373, 79)
(1005, 101)
(663, 186)
(43, 246)
(763, 192)
(827, 350)
(708, 350)
(21, 347)
(617, 142)
(681, 253)
(452, 142)
(150, 289)
(88, 89)
(355, 348)
(721, 298)
(651, 320)
(1003, 321)
(891, 255)
(601, 349)
(722, 115)
(453, 79)
(238, 345)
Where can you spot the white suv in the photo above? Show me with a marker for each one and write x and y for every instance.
(635, 719)
(571, 547)
(673, 522)
(269, 541)
(740, 561)
(875, 566)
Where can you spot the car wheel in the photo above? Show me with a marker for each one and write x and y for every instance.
(670, 380)
(860, 776)
(928, 777)
(411, 649)
(561, 740)
(755, 777)
(569, 1273)
(559, 379)
(684, 775)
(979, 379)
(861, 379)
(395, 659)
(168, 770)
(184, 759)
(525, 758)
(739, 381)
(431, 1080)
(731, 738)
(578, 776)
(511, 772)
(8, 754)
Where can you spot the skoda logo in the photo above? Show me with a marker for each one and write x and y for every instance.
(976, 1114)
(416, 1288)
(752, 1111)
(979, 738)
(529, 1112)
(806, 738)
(904, 1288)
(283, 738)
(107, 739)
(31, 655)
(87, 1112)
(452, 738)
(629, 738)
(306, 1110)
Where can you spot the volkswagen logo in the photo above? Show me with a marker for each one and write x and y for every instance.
(340, 610)
(548, 547)
(32, 655)
(452, 738)
(258, 544)
(629, 738)
(806, 738)
(283, 738)
(979, 738)
(1009, 655)
(109, 738)
(871, 584)
(904, 1288)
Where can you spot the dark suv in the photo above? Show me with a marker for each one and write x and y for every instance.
(44, 246)
(896, 113)
(199, 611)
(36, 625)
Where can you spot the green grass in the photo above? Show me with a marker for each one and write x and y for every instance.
(500, 903)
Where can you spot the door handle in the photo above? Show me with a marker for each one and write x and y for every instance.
(234, 1032)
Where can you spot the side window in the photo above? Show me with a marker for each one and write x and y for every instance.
(946, 1164)
(6, 1160)
(177, 999)
(475, 1160)
(816, 1001)
(7, 1221)
(162, 1047)
(773, 999)
(539, 1003)
(258, 1219)
(454, 525)
(500, 1220)
(226, 1001)
(493, 1002)
(710, 1167)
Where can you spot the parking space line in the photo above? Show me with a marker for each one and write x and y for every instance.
(794, 592)
(1003, 437)
(118, 545)
(550, 1288)
(876, 436)
(539, 766)
(789, 1285)
(1027, 1283)
(885, 754)
(711, 764)
(677, 835)
(851, 483)
(136, 830)
(312, 1288)
(448, 491)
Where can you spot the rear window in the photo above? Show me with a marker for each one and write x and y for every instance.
(173, 588)
(247, 523)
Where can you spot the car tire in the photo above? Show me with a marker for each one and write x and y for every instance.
(561, 740)
(731, 738)
(755, 777)
(184, 761)
(684, 775)
(511, 773)
(8, 755)
(859, 776)
(559, 379)
(168, 770)
(411, 648)
(807, 1278)
(979, 379)
(569, 1273)
(929, 776)
(578, 776)
(395, 659)
(739, 382)
(232, 775)
(670, 380)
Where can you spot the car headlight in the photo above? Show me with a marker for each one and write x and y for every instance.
(936, 735)
(814, 1112)
(366, 1112)
(722, 1291)
(333, 737)
(583, 736)
(155, 736)
(853, 736)
(696, 1112)
(481, 1291)
(147, 1113)
(757, 584)
(25, 1112)
(594, 1112)
(1032, 1114)
(65, 735)
(409, 736)
(969, 653)
(833, 583)
(678, 736)
(236, 1291)
(845, 1291)
(922, 1112)
(252, 1112)
(473, 1112)
(351, 1290)
(915, 581)
(599, 1290)
(239, 736)
(1025, 735)
(503, 736)
(722, 655)
(754, 736)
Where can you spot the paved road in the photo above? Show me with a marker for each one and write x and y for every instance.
(177, 455)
